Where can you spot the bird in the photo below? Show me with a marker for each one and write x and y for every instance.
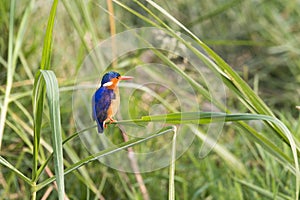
(102, 100)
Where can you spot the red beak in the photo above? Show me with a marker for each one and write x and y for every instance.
(125, 77)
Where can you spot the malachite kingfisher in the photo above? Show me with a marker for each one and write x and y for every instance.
(102, 102)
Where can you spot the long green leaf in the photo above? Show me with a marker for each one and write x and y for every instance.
(39, 95)
(38, 98)
(47, 80)
(214, 117)
(47, 49)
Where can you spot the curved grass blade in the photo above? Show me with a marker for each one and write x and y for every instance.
(47, 80)
(38, 97)
(218, 65)
(213, 117)
(38, 101)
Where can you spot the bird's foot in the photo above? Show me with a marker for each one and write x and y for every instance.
(111, 120)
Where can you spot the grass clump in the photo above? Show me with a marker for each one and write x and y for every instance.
(245, 44)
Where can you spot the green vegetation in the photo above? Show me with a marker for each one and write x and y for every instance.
(251, 46)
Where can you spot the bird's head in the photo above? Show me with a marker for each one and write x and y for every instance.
(111, 79)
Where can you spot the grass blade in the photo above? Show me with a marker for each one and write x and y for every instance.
(38, 102)
(213, 117)
(47, 80)
(105, 152)
(264, 192)
(39, 95)
(15, 170)
(47, 49)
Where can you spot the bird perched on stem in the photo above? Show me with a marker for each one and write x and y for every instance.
(102, 102)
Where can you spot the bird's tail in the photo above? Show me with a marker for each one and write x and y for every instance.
(100, 127)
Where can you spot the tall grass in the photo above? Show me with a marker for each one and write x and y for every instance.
(249, 161)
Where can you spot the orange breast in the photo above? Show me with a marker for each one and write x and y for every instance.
(115, 103)
(110, 111)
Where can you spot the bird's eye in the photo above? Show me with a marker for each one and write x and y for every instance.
(118, 77)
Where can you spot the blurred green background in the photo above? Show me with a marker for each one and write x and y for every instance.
(259, 39)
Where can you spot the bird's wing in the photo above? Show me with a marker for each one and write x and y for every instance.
(94, 108)
(101, 102)
(97, 95)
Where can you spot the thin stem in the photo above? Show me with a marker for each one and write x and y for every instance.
(135, 167)
(172, 167)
